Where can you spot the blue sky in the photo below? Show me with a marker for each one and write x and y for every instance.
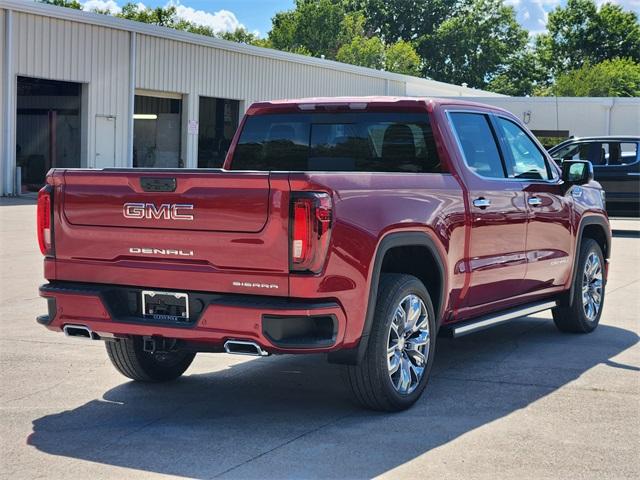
(255, 15)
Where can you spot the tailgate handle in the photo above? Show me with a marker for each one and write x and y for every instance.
(150, 184)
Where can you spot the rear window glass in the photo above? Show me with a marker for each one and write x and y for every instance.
(346, 142)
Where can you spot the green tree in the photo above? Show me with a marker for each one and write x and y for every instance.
(580, 32)
(164, 17)
(314, 25)
(363, 51)
(619, 77)
(401, 57)
(352, 26)
(240, 35)
(339, 30)
(63, 3)
(523, 75)
(474, 44)
(101, 11)
(405, 20)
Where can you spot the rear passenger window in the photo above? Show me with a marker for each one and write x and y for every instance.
(523, 158)
(478, 144)
(619, 153)
(601, 153)
(346, 142)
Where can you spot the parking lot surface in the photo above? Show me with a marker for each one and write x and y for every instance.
(517, 401)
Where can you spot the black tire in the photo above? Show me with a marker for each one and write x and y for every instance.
(573, 319)
(370, 380)
(130, 359)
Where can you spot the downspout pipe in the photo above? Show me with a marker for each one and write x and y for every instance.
(8, 153)
(608, 113)
(132, 96)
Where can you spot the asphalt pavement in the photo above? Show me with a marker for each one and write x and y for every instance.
(521, 400)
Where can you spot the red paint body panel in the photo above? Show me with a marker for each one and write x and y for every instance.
(97, 200)
(99, 253)
(394, 203)
(492, 259)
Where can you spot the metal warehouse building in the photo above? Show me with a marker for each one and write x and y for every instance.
(90, 90)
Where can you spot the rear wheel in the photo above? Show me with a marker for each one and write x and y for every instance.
(399, 356)
(130, 359)
(584, 313)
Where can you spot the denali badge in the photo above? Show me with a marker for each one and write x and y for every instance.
(166, 211)
(254, 285)
(161, 251)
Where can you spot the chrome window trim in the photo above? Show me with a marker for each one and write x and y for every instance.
(448, 112)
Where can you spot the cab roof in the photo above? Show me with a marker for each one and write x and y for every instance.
(364, 103)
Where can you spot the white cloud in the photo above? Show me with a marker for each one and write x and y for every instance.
(220, 21)
(109, 5)
(533, 14)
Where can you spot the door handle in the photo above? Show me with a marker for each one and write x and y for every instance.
(534, 201)
(481, 202)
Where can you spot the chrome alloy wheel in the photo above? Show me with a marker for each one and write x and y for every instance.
(408, 344)
(592, 286)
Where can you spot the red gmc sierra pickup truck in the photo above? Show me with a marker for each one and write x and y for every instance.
(360, 227)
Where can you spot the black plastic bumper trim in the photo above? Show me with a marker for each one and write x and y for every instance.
(120, 301)
(52, 309)
(274, 326)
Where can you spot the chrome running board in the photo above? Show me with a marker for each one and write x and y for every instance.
(491, 320)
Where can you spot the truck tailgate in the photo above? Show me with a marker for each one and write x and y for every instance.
(221, 201)
(217, 231)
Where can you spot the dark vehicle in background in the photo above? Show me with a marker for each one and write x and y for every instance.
(616, 166)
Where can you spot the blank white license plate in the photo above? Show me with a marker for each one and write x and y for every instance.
(165, 305)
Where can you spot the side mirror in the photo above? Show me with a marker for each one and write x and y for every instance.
(577, 172)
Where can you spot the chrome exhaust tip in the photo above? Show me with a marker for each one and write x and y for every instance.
(80, 331)
(243, 347)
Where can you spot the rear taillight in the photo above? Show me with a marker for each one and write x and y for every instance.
(311, 216)
(44, 219)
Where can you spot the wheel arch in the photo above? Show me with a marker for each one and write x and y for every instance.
(390, 243)
(597, 228)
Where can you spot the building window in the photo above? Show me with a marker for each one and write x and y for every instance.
(157, 127)
(218, 120)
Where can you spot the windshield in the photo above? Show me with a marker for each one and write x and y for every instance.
(349, 142)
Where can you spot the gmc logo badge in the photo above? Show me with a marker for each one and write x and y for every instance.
(166, 211)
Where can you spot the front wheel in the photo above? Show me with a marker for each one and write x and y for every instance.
(584, 313)
(130, 359)
(399, 356)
